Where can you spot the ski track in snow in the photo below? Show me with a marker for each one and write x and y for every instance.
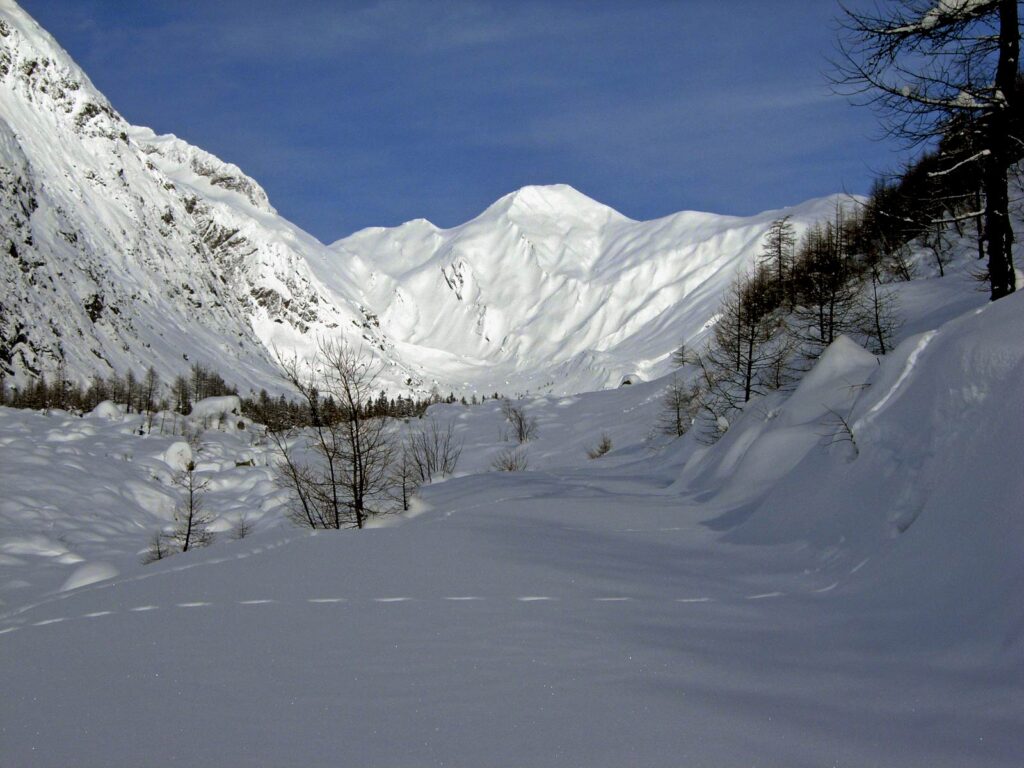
(344, 602)
(340, 602)
(139, 577)
(908, 368)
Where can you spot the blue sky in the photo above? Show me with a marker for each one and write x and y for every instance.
(355, 114)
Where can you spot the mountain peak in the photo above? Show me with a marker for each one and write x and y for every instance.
(554, 202)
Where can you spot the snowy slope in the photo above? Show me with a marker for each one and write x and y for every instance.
(777, 599)
(124, 249)
(550, 291)
(800, 593)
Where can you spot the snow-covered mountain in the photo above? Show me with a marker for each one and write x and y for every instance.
(548, 290)
(123, 249)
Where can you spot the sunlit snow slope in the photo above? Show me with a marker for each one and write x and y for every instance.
(121, 248)
(124, 249)
(780, 598)
(548, 290)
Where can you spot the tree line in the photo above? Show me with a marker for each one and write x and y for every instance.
(944, 78)
(775, 320)
(150, 393)
(147, 393)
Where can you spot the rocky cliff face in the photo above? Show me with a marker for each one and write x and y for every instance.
(125, 249)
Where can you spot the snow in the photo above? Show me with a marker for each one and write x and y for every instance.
(177, 456)
(83, 496)
(548, 291)
(106, 410)
(90, 573)
(836, 581)
(164, 255)
(778, 598)
(943, 13)
(216, 407)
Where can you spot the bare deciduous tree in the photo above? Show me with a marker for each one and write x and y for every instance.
(148, 396)
(877, 315)
(433, 450)
(405, 479)
(159, 548)
(524, 428)
(679, 407)
(777, 252)
(682, 355)
(747, 353)
(350, 476)
(826, 285)
(242, 527)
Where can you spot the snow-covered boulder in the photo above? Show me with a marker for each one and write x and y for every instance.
(215, 407)
(107, 410)
(177, 456)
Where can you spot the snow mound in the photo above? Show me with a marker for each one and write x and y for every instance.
(923, 477)
(107, 410)
(177, 456)
(87, 574)
(216, 407)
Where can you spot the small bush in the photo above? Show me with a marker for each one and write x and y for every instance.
(510, 460)
(432, 451)
(524, 428)
(160, 547)
(601, 448)
(242, 527)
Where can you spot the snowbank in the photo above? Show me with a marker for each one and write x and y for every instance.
(216, 407)
(177, 456)
(106, 410)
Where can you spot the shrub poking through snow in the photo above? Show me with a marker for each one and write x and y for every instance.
(601, 448)
(433, 450)
(524, 428)
(510, 460)
(242, 527)
(159, 548)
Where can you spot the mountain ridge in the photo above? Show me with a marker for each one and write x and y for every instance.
(125, 248)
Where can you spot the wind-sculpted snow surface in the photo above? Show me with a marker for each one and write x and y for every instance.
(82, 496)
(836, 581)
(550, 291)
(794, 595)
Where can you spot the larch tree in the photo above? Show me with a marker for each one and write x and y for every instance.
(748, 350)
(679, 406)
(947, 70)
(825, 287)
(192, 525)
(777, 252)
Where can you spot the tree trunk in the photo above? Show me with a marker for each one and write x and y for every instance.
(998, 231)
